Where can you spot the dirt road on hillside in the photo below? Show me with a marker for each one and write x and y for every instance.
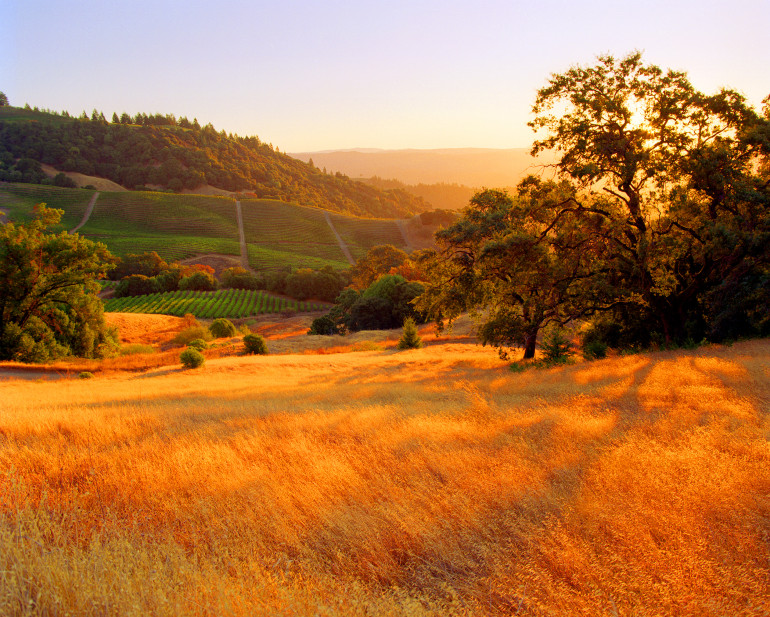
(87, 215)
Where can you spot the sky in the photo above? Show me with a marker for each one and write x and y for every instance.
(311, 75)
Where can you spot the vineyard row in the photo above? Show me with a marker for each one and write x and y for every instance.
(233, 303)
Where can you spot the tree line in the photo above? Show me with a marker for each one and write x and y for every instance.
(160, 151)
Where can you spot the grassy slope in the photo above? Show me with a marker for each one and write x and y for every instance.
(426, 482)
(278, 234)
(19, 200)
(176, 226)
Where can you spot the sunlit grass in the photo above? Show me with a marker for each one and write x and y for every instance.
(433, 481)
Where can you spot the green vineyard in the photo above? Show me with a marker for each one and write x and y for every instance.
(232, 303)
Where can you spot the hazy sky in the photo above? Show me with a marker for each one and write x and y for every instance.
(312, 75)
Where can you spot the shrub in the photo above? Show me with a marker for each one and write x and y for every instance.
(198, 344)
(325, 325)
(191, 358)
(594, 350)
(136, 285)
(190, 334)
(222, 328)
(85, 375)
(135, 348)
(198, 281)
(409, 338)
(556, 347)
(255, 344)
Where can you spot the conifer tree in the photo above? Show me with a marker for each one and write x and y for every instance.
(409, 338)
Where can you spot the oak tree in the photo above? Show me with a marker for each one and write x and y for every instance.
(687, 211)
(49, 306)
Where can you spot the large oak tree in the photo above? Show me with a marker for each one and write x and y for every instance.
(49, 306)
(687, 209)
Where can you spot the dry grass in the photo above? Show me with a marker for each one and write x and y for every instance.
(427, 482)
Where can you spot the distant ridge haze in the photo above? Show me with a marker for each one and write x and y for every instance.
(474, 167)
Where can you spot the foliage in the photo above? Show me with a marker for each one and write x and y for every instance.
(148, 264)
(255, 344)
(136, 348)
(222, 328)
(516, 262)
(192, 333)
(594, 350)
(191, 358)
(324, 284)
(85, 375)
(378, 261)
(326, 325)
(160, 150)
(410, 339)
(684, 203)
(198, 281)
(660, 219)
(240, 278)
(556, 347)
(199, 344)
(48, 302)
(135, 285)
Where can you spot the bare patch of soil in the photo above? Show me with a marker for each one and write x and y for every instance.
(101, 184)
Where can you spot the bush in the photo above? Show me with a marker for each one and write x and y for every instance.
(410, 339)
(594, 350)
(136, 348)
(190, 334)
(136, 285)
(255, 344)
(222, 328)
(325, 325)
(199, 344)
(85, 375)
(198, 281)
(191, 358)
(556, 347)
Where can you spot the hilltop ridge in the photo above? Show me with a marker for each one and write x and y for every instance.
(165, 153)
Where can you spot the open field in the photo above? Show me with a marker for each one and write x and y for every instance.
(428, 482)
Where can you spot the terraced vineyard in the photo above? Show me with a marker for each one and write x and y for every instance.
(19, 200)
(176, 226)
(279, 233)
(232, 303)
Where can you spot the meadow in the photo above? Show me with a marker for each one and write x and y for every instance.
(427, 482)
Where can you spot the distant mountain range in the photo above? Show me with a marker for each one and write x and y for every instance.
(472, 167)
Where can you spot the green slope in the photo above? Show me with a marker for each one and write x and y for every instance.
(278, 234)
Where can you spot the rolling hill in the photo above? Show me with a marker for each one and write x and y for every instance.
(277, 234)
(163, 152)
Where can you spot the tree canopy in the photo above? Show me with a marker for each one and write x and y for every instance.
(659, 221)
(49, 306)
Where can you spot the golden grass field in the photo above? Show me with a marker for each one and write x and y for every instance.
(424, 482)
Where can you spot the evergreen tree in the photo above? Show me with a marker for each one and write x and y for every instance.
(410, 339)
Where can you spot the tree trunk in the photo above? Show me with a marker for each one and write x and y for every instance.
(530, 341)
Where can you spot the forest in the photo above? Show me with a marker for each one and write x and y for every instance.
(166, 153)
